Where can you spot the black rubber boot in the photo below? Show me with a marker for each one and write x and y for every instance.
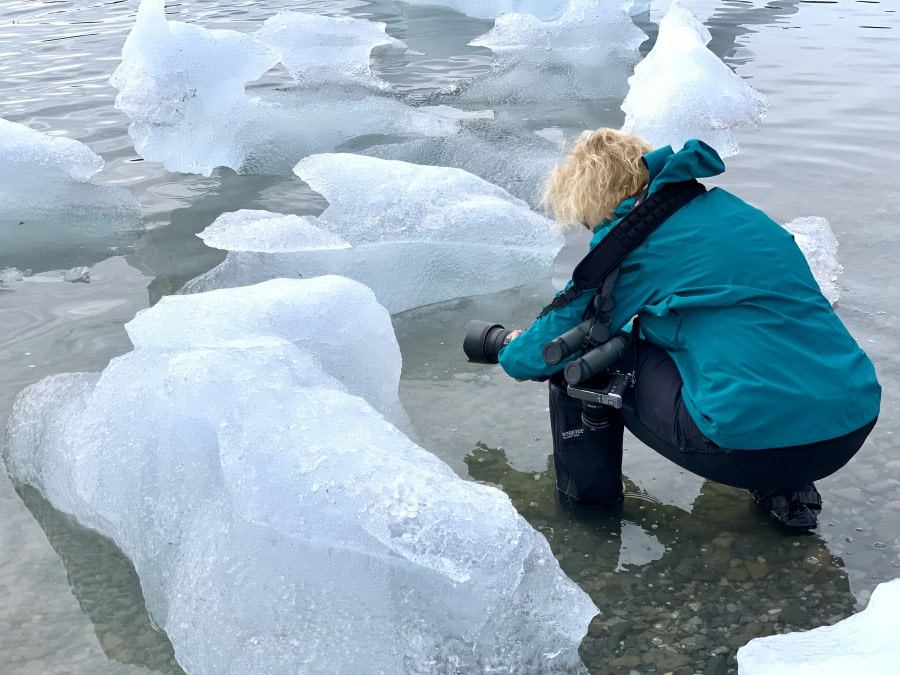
(794, 507)
(588, 461)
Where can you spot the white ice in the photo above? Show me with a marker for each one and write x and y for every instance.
(868, 642)
(681, 90)
(491, 9)
(321, 49)
(183, 87)
(816, 239)
(267, 232)
(586, 53)
(245, 457)
(47, 202)
(418, 234)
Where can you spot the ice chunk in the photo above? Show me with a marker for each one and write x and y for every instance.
(868, 642)
(590, 51)
(78, 275)
(491, 9)
(499, 152)
(322, 49)
(681, 90)
(277, 520)
(48, 207)
(418, 234)
(267, 232)
(183, 86)
(24, 149)
(818, 243)
(294, 124)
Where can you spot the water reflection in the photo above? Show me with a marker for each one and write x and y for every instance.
(678, 591)
(106, 586)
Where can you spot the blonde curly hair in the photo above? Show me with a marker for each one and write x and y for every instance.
(603, 168)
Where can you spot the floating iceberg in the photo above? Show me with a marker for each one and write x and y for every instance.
(820, 247)
(47, 205)
(681, 90)
(277, 518)
(416, 234)
(183, 87)
(322, 49)
(868, 642)
(491, 9)
(587, 53)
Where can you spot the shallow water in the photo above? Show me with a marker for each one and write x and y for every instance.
(688, 571)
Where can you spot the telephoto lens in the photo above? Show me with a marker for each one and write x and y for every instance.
(483, 341)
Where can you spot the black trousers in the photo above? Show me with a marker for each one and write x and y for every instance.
(589, 463)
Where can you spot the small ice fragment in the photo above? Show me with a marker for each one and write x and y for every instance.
(319, 49)
(816, 239)
(267, 232)
(78, 275)
(868, 642)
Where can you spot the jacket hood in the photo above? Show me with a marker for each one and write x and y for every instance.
(695, 160)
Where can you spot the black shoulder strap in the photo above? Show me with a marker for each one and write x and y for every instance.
(633, 229)
(625, 237)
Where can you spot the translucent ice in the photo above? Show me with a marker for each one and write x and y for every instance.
(267, 232)
(491, 9)
(818, 243)
(183, 86)
(501, 153)
(47, 205)
(681, 90)
(587, 53)
(868, 642)
(418, 234)
(277, 519)
(321, 49)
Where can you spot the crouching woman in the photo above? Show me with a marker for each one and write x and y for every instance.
(739, 369)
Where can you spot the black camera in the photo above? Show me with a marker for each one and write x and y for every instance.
(483, 341)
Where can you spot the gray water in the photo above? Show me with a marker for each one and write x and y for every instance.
(688, 571)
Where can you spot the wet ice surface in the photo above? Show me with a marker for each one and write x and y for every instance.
(415, 235)
(816, 239)
(276, 516)
(814, 154)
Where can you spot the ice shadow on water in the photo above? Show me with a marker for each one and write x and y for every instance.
(106, 586)
(678, 591)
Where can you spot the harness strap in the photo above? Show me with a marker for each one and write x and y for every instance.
(633, 229)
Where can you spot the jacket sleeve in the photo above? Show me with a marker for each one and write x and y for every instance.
(522, 359)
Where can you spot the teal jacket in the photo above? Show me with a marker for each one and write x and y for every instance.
(728, 294)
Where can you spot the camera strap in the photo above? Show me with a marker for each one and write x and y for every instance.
(631, 231)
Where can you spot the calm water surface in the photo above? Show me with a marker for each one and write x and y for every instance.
(687, 571)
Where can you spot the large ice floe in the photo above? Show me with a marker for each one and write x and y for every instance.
(414, 234)
(47, 203)
(586, 53)
(184, 88)
(277, 518)
(868, 642)
(816, 239)
(681, 90)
